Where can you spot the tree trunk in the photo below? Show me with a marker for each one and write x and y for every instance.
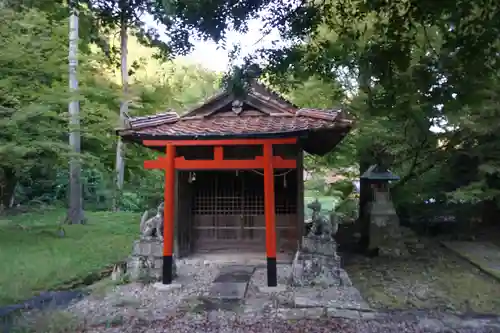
(8, 183)
(75, 212)
(364, 163)
(13, 195)
(365, 197)
(120, 147)
(489, 213)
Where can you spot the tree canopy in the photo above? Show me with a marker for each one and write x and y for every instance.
(419, 77)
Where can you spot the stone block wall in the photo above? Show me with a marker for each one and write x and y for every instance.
(148, 247)
(316, 263)
(146, 260)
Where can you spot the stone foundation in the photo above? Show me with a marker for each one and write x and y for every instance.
(316, 263)
(146, 260)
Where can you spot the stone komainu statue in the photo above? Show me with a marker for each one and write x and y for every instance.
(320, 225)
(153, 227)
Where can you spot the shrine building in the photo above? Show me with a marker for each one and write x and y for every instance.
(234, 172)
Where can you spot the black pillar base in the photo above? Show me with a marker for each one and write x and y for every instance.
(272, 272)
(167, 270)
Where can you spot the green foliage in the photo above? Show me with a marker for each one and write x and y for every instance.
(315, 184)
(214, 18)
(397, 68)
(34, 152)
(112, 15)
(327, 204)
(406, 66)
(348, 209)
(344, 187)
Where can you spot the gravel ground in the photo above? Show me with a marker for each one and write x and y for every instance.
(142, 308)
(229, 322)
(138, 300)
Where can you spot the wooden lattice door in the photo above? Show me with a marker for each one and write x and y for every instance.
(229, 211)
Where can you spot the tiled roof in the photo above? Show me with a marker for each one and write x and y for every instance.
(153, 120)
(267, 113)
(227, 125)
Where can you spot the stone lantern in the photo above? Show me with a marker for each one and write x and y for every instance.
(379, 173)
(384, 234)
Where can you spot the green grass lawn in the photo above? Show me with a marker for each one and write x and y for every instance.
(35, 259)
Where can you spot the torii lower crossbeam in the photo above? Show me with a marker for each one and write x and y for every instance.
(267, 162)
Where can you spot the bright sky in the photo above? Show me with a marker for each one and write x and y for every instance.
(209, 55)
(212, 57)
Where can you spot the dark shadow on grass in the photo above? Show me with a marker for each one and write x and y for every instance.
(44, 301)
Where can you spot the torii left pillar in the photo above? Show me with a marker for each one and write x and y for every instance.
(167, 163)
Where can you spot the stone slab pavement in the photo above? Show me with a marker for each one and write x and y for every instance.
(484, 255)
(232, 282)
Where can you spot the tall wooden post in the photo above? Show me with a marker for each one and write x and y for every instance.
(272, 278)
(169, 215)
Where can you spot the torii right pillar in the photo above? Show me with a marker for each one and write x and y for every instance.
(270, 214)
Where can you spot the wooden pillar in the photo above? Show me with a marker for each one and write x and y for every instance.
(169, 215)
(269, 197)
(300, 197)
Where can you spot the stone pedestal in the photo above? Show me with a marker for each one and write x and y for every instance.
(385, 233)
(316, 263)
(146, 261)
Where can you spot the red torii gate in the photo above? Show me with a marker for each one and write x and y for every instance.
(267, 162)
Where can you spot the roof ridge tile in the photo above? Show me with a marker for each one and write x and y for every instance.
(140, 122)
